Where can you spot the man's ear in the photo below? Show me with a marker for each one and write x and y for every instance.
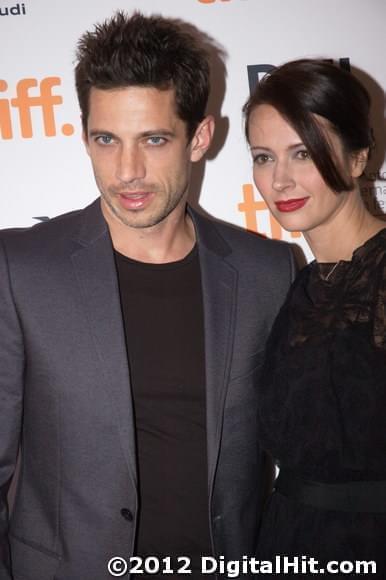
(359, 162)
(202, 138)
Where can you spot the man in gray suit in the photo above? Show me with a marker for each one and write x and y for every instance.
(132, 334)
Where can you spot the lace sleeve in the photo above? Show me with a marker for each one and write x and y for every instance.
(380, 310)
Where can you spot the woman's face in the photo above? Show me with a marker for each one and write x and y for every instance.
(287, 178)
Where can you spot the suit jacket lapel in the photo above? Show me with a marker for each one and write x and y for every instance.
(96, 272)
(219, 285)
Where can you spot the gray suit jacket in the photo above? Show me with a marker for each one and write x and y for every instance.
(65, 393)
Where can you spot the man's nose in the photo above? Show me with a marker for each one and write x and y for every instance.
(130, 164)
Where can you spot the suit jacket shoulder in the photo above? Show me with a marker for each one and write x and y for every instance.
(259, 261)
(47, 238)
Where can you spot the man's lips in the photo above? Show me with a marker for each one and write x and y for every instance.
(291, 204)
(135, 199)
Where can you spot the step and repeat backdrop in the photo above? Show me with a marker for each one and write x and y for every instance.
(44, 168)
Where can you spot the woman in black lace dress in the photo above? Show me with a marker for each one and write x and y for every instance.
(322, 411)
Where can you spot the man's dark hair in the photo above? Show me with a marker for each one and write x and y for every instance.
(301, 89)
(145, 51)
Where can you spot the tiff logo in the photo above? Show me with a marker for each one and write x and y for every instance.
(16, 10)
(24, 102)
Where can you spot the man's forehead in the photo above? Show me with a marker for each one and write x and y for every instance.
(134, 106)
(134, 94)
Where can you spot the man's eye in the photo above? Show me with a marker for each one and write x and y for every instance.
(261, 158)
(156, 140)
(104, 139)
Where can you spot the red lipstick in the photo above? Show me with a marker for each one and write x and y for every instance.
(291, 204)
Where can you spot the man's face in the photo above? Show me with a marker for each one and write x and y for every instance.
(140, 154)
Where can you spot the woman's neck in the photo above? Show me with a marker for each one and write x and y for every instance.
(344, 233)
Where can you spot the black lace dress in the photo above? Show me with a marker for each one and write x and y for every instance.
(322, 410)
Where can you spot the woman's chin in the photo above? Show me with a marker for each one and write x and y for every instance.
(291, 224)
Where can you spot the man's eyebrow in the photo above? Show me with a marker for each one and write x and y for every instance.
(149, 133)
(95, 132)
(160, 132)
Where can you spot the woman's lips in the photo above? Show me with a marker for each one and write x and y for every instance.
(291, 204)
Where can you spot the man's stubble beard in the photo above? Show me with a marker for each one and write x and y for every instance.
(150, 220)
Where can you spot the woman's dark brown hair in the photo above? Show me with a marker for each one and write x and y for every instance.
(301, 89)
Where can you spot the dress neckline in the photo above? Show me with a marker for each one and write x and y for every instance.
(329, 271)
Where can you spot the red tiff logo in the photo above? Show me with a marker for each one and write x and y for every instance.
(211, 1)
(24, 102)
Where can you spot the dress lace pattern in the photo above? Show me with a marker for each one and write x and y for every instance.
(322, 398)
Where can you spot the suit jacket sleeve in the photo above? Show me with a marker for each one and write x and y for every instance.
(11, 400)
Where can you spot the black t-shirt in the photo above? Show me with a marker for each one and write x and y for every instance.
(164, 323)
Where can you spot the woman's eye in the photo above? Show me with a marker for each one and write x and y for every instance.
(261, 158)
(303, 154)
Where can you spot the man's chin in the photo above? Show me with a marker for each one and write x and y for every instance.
(139, 219)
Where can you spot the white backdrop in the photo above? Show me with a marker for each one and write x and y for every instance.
(44, 169)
